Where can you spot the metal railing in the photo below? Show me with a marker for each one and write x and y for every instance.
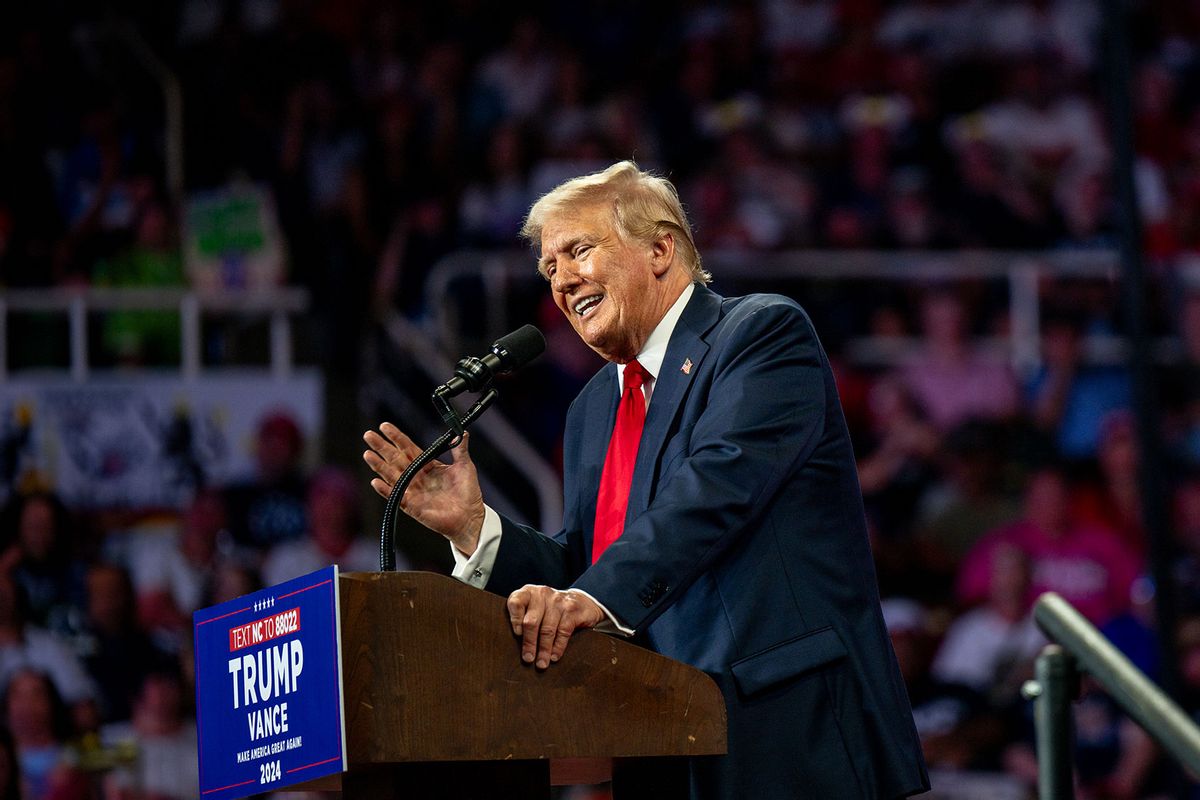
(501, 274)
(406, 337)
(76, 303)
(1080, 648)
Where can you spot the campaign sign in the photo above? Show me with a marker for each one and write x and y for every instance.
(269, 688)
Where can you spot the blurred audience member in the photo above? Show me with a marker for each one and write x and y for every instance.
(1084, 203)
(968, 500)
(1046, 130)
(41, 560)
(911, 221)
(170, 573)
(991, 648)
(951, 381)
(1089, 566)
(138, 338)
(230, 581)
(992, 208)
(321, 161)
(713, 207)
(900, 459)
(494, 206)
(116, 652)
(40, 727)
(522, 73)
(1068, 398)
(96, 181)
(165, 737)
(269, 508)
(896, 468)
(421, 234)
(334, 535)
(1114, 500)
(25, 646)
(772, 203)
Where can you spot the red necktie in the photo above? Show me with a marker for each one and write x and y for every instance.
(615, 480)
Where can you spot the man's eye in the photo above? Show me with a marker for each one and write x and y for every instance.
(581, 251)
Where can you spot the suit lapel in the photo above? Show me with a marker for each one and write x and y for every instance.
(685, 353)
(599, 416)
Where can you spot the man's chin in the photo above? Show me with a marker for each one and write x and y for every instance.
(601, 346)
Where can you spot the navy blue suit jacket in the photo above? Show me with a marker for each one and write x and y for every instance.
(744, 554)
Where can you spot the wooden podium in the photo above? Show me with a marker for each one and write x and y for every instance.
(439, 704)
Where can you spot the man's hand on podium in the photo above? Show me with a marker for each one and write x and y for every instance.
(545, 618)
(443, 497)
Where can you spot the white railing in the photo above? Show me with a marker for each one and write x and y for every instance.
(500, 272)
(76, 303)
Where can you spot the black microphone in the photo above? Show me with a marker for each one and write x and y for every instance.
(509, 353)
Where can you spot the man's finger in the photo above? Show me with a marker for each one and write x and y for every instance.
(547, 632)
(381, 487)
(380, 467)
(461, 453)
(398, 449)
(399, 439)
(531, 624)
(518, 601)
(565, 628)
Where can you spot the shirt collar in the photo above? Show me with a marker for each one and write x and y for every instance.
(655, 349)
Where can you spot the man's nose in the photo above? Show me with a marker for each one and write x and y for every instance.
(564, 277)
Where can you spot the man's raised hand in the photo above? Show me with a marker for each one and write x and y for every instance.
(443, 497)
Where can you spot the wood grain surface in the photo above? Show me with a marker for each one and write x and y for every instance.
(432, 672)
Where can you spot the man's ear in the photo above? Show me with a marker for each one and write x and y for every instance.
(662, 254)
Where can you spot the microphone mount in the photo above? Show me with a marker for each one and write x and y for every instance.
(508, 354)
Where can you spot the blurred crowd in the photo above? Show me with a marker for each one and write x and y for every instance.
(379, 136)
(96, 658)
(385, 135)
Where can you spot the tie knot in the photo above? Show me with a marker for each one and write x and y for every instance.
(635, 375)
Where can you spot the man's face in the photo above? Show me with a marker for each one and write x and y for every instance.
(604, 284)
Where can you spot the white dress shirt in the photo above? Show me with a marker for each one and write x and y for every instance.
(477, 568)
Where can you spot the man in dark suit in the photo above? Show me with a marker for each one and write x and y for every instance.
(712, 505)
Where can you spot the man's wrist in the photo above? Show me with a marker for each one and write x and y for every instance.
(467, 542)
(475, 569)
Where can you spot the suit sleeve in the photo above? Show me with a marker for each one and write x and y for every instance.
(527, 556)
(765, 414)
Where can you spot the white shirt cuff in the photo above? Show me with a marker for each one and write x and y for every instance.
(609, 625)
(475, 569)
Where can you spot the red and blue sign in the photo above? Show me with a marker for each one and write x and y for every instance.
(269, 688)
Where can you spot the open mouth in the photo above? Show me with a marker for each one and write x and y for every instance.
(587, 305)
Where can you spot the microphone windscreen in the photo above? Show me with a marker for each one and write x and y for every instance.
(518, 348)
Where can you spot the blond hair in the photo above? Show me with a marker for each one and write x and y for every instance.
(645, 207)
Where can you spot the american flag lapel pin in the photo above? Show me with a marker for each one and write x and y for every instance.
(686, 369)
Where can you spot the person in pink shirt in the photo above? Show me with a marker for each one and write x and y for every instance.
(951, 379)
(1085, 563)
